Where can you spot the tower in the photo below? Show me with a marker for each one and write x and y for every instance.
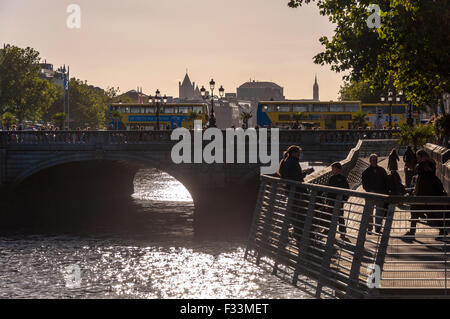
(316, 90)
(186, 89)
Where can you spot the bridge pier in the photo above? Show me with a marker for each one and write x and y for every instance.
(225, 212)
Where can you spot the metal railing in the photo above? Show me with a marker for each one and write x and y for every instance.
(326, 241)
(140, 137)
(353, 165)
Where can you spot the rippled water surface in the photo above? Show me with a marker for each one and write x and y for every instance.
(159, 259)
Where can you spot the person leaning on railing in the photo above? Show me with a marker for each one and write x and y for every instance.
(289, 168)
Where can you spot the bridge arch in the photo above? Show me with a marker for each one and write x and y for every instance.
(145, 161)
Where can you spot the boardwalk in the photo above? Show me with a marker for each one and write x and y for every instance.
(411, 263)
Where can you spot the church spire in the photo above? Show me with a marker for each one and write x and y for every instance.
(316, 90)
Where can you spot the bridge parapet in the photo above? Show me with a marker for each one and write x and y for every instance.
(8, 138)
(442, 157)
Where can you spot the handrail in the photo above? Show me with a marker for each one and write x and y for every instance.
(297, 234)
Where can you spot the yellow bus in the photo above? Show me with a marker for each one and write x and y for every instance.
(378, 114)
(144, 116)
(326, 115)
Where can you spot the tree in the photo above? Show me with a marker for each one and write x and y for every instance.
(8, 120)
(245, 117)
(22, 92)
(359, 120)
(88, 105)
(410, 50)
(59, 120)
(359, 91)
(192, 116)
(416, 136)
(442, 129)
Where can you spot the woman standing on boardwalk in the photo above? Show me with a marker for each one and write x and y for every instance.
(289, 168)
(393, 159)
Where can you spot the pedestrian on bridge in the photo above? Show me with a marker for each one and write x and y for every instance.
(375, 180)
(410, 160)
(340, 181)
(393, 159)
(428, 184)
(290, 169)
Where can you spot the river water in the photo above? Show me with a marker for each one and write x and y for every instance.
(154, 256)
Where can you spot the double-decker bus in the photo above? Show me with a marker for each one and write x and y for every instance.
(144, 117)
(378, 114)
(326, 115)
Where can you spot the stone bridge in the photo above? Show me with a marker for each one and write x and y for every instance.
(90, 166)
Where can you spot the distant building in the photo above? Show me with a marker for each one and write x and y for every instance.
(188, 90)
(260, 91)
(46, 72)
(316, 90)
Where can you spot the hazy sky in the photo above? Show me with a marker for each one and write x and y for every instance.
(150, 43)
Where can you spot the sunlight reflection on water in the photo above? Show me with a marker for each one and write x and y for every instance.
(161, 259)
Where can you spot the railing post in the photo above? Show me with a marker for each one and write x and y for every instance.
(256, 216)
(330, 243)
(305, 235)
(267, 217)
(384, 241)
(359, 249)
(284, 235)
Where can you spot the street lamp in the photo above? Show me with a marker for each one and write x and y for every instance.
(212, 85)
(391, 97)
(158, 100)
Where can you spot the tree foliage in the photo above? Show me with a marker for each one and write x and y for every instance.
(22, 92)
(8, 120)
(410, 50)
(416, 135)
(245, 117)
(359, 120)
(359, 91)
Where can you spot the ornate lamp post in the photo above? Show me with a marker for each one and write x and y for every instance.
(158, 100)
(212, 85)
(390, 98)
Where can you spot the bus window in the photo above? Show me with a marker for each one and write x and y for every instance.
(320, 108)
(168, 109)
(283, 108)
(300, 108)
(135, 109)
(149, 109)
(183, 109)
(336, 108)
(198, 109)
(268, 108)
(369, 109)
(344, 117)
(127, 109)
(398, 109)
(352, 108)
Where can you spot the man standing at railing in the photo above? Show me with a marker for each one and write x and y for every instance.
(375, 180)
